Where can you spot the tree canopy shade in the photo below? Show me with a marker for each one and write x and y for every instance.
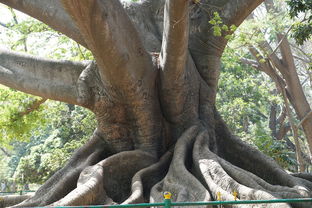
(152, 88)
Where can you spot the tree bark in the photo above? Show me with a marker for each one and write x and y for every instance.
(157, 126)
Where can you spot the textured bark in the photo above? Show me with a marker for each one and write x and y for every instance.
(51, 79)
(158, 129)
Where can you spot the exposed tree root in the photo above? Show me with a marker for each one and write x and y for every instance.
(183, 185)
(306, 176)
(6, 201)
(192, 171)
(143, 180)
(64, 181)
(252, 160)
(108, 177)
(218, 180)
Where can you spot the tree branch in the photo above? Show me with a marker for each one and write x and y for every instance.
(239, 10)
(3, 25)
(178, 72)
(306, 61)
(113, 40)
(175, 39)
(268, 68)
(32, 107)
(282, 39)
(286, 51)
(250, 62)
(305, 118)
(307, 56)
(56, 80)
(51, 13)
(5, 152)
(272, 55)
(206, 49)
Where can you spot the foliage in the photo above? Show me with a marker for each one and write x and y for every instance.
(243, 96)
(276, 149)
(302, 30)
(219, 28)
(244, 100)
(37, 149)
(73, 127)
(13, 125)
(250, 120)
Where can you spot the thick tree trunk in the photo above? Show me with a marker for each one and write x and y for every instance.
(158, 129)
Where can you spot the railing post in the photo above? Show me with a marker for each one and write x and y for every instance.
(167, 199)
(219, 198)
(235, 195)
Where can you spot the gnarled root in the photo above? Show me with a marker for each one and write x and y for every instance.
(6, 201)
(250, 159)
(183, 185)
(145, 179)
(65, 180)
(193, 171)
(108, 180)
(306, 176)
(218, 179)
(207, 174)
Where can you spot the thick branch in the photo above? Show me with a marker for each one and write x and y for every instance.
(250, 62)
(206, 48)
(113, 40)
(175, 39)
(49, 79)
(239, 10)
(173, 78)
(51, 13)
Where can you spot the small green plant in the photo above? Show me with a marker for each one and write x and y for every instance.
(219, 28)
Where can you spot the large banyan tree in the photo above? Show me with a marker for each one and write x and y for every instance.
(152, 88)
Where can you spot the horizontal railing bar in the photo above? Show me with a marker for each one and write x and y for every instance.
(12, 192)
(194, 203)
(113, 206)
(242, 202)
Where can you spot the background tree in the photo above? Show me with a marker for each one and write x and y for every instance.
(157, 124)
(281, 64)
(245, 100)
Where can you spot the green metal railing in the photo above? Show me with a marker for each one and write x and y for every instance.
(168, 203)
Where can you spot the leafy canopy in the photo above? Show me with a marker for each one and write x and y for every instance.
(302, 30)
